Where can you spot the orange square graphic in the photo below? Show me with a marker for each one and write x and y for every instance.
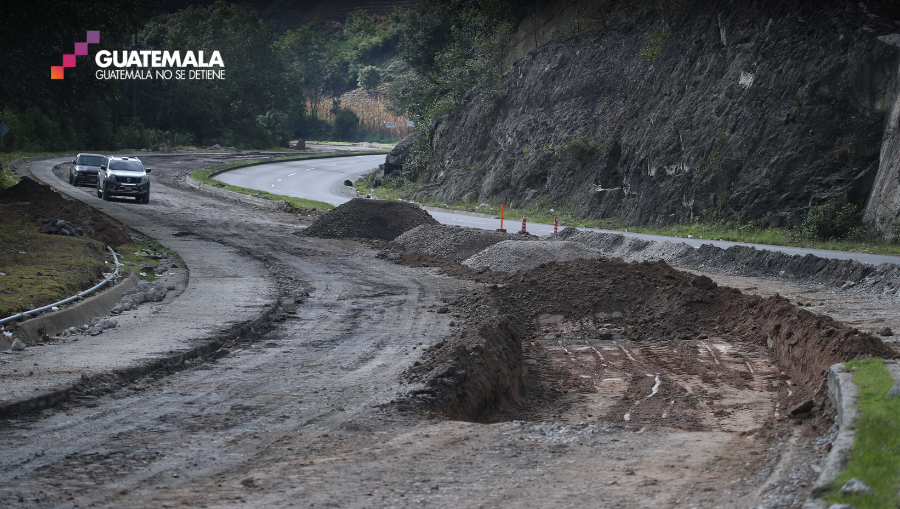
(57, 72)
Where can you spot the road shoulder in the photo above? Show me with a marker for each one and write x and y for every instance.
(225, 289)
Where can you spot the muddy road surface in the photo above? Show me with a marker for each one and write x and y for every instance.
(304, 412)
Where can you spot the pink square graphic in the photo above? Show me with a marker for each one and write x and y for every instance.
(68, 60)
(93, 36)
(81, 48)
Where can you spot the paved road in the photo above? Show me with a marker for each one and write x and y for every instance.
(322, 180)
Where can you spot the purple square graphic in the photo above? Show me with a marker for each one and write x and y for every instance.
(68, 60)
(93, 36)
(81, 48)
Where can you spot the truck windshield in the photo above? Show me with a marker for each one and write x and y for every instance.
(126, 166)
(90, 160)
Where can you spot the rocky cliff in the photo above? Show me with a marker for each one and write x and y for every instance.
(743, 110)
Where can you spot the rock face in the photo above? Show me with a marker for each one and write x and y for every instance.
(749, 111)
(883, 207)
(397, 156)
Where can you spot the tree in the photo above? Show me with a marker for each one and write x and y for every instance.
(369, 78)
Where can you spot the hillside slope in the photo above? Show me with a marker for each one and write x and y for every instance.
(749, 111)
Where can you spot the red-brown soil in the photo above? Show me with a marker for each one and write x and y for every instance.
(635, 342)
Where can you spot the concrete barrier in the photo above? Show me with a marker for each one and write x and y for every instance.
(842, 392)
(77, 314)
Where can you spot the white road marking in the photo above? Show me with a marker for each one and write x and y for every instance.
(279, 180)
(292, 174)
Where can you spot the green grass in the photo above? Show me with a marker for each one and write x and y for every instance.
(203, 175)
(699, 230)
(875, 456)
(137, 253)
(39, 269)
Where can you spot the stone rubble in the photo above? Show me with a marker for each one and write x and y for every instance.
(510, 255)
(60, 227)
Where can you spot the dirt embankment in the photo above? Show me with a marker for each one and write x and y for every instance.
(476, 375)
(38, 202)
(369, 219)
(571, 317)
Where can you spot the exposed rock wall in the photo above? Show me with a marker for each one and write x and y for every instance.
(883, 207)
(745, 110)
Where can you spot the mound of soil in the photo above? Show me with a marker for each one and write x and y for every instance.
(608, 302)
(369, 219)
(509, 255)
(39, 203)
(453, 243)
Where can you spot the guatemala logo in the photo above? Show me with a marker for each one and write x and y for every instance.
(57, 72)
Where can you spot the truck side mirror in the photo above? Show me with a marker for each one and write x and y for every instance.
(147, 170)
(103, 167)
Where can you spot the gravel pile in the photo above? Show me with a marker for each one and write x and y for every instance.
(745, 261)
(369, 219)
(454, 243)
(510, 255)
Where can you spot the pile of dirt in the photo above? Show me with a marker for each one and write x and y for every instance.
(369, 219)
(613, 302)
(453, 243)
(477, 375)
(745, 261)
(40, 203)
(509, 255)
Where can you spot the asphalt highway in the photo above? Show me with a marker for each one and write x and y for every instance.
(322, 180)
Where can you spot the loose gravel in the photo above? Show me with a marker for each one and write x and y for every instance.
(454, 243)
(881, 279)
(510, 255)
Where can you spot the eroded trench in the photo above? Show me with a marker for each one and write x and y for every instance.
(639, 343)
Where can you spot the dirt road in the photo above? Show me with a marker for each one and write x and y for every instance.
(300, 413)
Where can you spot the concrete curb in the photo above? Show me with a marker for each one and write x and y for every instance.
(77, 314)
(842, 393)
(232, 195)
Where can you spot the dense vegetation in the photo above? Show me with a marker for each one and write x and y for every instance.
(279, 71)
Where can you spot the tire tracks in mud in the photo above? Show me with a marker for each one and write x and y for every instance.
(303, 414)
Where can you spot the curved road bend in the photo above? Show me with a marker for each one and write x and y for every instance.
(322, 180)
(301, 417)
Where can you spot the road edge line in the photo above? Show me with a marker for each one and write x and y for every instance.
(256, 200)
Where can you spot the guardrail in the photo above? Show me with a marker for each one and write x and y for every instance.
(81, 295)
